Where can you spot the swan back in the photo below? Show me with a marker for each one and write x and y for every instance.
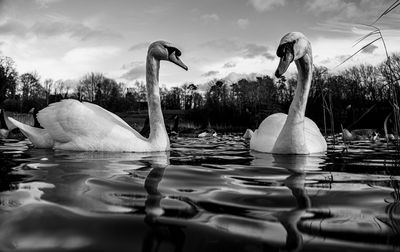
(265, 136)
(84, 126)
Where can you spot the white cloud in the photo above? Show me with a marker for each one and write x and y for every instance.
(229, 64)
(266, 5)
(210, 17)
(139, 46)
(210, 73)
(323, 6)
(243, 23)
(235, 77)
(46, 3)
(86, 55)
(137, 70)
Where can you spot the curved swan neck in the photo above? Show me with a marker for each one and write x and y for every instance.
(292, 138)
(156, 119)
(298, 106)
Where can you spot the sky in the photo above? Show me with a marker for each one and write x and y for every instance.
(219, 39)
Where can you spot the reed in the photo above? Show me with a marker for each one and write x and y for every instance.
(376, 35)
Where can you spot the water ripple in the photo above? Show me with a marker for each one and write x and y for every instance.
(211, 194)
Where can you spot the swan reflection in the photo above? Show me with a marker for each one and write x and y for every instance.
(264, 226)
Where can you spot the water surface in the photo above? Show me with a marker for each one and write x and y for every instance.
(204, 195)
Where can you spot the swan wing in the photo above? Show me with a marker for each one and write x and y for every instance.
(111, 116)
(314, 139)
(85, 126)
(40, 138)
(265, 136)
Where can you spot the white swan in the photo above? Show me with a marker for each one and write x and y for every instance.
(72, 125)
(293, 133)
(6, 127)
(248, 134)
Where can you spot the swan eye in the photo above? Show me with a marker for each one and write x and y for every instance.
(171, 49)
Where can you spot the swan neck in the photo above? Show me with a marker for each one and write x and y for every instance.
(156, 119)
(298, 106)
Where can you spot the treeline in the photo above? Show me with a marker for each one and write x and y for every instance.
(357, 97)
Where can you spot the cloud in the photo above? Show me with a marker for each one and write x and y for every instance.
(322, 6)
(235, 77)
(53, 28)
(86, 55)
(13, 27)
(243, 23)
(325, 61)
(369, 49)
(254, 50)
(157, 9)
(210, 73)
(137, 71)
(210, 17)
(132, 64)
(46, 3)
(245, 50)
(266, 5)
(139, 46)
(342, 12)
(342, 57)
(50, 28)
(229, 65)
(224, 44)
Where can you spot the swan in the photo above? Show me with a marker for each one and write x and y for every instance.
(360, 134)
(293, 133)
(248, 134)
(82, 126)
(7, 128)
(388, 136)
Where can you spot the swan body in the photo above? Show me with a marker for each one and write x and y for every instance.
(82, 126)
(293, 133)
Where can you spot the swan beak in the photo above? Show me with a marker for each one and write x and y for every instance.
(284, 64)
(175, 59)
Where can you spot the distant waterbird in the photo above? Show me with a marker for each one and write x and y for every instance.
(293, 133)
(360, 134)
(82, 126)
(388, 136)
(5, 125)
(7, 128)
(248, 134)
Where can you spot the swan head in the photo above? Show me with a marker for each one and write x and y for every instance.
(162, 50)
(292, 47)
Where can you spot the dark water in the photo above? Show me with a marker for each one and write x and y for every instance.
(205, 195)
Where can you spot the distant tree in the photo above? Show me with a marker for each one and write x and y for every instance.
(173, 98)
(30, 86)
(48, 85)
(188, 91)
(33, 94)
(89, 85)
(8, 78)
